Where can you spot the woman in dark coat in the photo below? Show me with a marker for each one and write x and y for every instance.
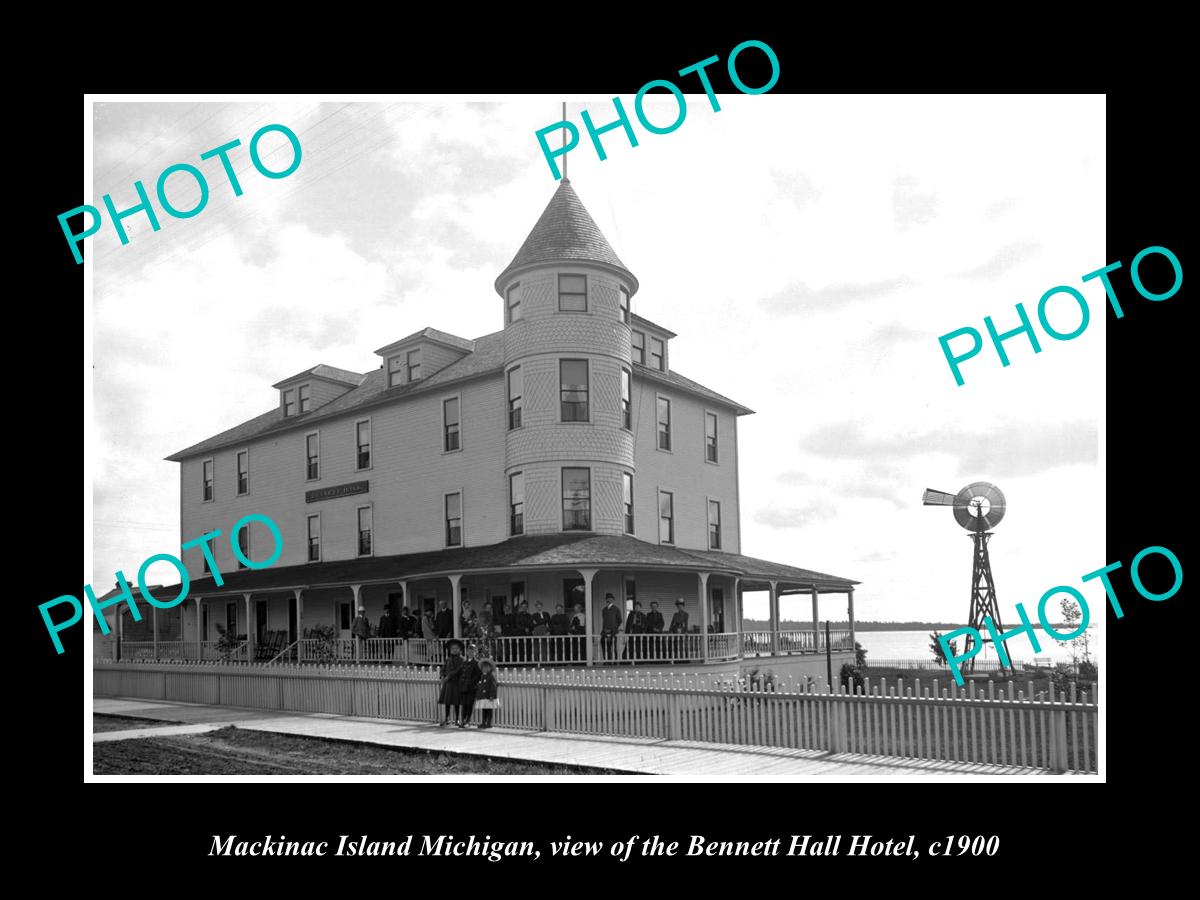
(451, 694)
(467, 682)
(486, 692)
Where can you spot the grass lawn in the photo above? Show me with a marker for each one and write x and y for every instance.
(232, 751)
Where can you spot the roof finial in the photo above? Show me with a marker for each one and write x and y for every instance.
(564, 143)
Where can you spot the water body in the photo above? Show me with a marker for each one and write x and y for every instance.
(915, 645)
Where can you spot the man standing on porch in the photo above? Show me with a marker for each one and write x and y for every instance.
(654, 625)
(610, 624)
(445, 621)
(361, 629)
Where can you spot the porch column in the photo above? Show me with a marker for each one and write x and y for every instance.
(456, 604)
(850, 614)
(154, 623)
(358, 648)
(588, 575)
(737, 613)
(774, 616)
(816, 622)
(249, 628)
(199, 628)
(120, 630)
(703, 576)
(299, 595)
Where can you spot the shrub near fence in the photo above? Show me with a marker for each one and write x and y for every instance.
(913, 720)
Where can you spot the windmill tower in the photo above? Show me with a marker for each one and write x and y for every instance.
(978, 507)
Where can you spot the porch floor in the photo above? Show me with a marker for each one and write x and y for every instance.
(648, 756)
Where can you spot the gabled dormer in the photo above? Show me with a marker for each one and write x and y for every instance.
(313, 388)
(649, 343)
(419, 355)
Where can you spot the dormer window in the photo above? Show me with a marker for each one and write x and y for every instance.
(289, 402)
(657, 354)
(572, 293)
(513, 298)
(413, 364)
(395, 371)
(639, 348)
(305, 399)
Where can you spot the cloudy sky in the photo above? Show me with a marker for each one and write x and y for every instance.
(808, 251)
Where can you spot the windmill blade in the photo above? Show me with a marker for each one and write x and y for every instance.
(937, 498)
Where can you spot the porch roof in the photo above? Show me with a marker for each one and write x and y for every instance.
(546, 551)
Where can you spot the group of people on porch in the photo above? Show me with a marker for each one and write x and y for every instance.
(563, 634)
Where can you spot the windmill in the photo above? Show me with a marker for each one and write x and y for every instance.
(978, 507)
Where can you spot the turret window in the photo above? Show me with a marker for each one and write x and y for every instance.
(572, 293)
(513, 297)
(639, 348)
(624, 305)
(573, 383)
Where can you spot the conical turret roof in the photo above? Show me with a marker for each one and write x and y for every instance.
(564, 232)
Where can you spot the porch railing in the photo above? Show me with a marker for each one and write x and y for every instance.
(168, 650)
(799, 641)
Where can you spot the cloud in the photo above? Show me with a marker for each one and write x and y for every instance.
(912, 207)
(1001, 451)
(1005, 259)
(796, 187)
(877, 556)
(794, 516)
(794, 477)
(800, 297)
(895, 333)
(999, 208)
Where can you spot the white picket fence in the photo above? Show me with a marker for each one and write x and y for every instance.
(914, 720)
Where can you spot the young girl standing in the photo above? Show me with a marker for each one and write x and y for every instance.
(450, 696)
(485, 693)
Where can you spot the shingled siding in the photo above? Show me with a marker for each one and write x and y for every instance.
(408, 477)
(683, 471)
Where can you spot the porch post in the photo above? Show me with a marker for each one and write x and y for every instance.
(850, 614)
(737, 613)
(199, 628)
(774, 616)
(154, 622)
(299, 594)
(703, 576)
(456, 604)
(588, 575)
(816, 622)
(358, 647)
(120, 630)
(249, 628)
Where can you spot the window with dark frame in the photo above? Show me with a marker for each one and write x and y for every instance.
(710, 437)
(243, 540)
(209, 487)
(204, 567)
(516, 503)
(577, 499)
(364, 530)
(714, 525)
(395, 371)
(289, 402)
(451, 438)
(513, 298)
(516, 386)
(454, 520)
(312, 453)
(627, 478)
(657, 353)
(626, 399)
(231, 618)
(573, 385)
(305, 400)
(243, 471)
(638, 342)
(362, 442)
(572, 293)
(314, 538)
(666, 517)
(624, 301)
(413, 363)
(664, 423)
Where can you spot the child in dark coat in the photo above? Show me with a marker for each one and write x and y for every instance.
(467, 682)
(486, 691)
(450, 696)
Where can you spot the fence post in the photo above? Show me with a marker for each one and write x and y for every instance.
(545, 709)
(1059, 738)
(673, 716)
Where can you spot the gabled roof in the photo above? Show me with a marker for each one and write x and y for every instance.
(329, 373)
(674, 379)
(564, 232)
(546, 551)
(371, 390)
(642, 320)
(431, 334)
